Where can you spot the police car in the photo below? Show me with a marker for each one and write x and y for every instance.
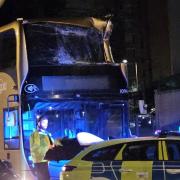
(147, 158)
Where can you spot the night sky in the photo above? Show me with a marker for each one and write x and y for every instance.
(13, 9)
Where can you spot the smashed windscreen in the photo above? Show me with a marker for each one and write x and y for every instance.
(54, 44)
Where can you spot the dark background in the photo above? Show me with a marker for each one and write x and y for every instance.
(140, 32)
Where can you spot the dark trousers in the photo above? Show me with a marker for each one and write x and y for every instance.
(42, 171)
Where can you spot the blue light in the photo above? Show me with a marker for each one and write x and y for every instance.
(38, 116)
(30, 158)
(11, 124)
(50, 108)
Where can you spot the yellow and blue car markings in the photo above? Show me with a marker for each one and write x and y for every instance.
(129, 170)
(109, 170)
(117, 169)
(158, 170)
(172, 171)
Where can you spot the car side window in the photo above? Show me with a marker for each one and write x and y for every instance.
(103, 154)
(141, 151)
(173, 149)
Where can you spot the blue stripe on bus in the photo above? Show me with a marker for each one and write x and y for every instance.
(107, 169)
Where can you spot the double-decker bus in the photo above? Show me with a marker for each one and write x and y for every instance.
(64, 69)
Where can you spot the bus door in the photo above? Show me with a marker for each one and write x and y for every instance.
(11, 129)
(9, 123)
(140, 161)
(113, 120)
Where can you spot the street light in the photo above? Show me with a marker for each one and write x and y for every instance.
(125, 61)
(130, 75)
(136, 72)
(1, 2)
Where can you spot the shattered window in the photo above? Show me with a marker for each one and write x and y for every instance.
(54, 44)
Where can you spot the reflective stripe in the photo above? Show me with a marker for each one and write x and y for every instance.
(160, 153)
(164, 150)
(119, 155)
(136, 170)
(106, 170)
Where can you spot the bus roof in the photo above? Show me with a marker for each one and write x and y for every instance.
(99, 24)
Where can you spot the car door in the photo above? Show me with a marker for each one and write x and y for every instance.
(141, 161)
(104, 164)
(172, 165)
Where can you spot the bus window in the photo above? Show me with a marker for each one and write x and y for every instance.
(11, 128)
(8, 47)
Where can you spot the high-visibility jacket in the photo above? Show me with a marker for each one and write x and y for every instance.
(39, 145)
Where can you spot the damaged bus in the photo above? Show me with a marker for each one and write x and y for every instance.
(64, 69)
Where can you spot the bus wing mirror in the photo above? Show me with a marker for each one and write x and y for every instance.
(13, 98)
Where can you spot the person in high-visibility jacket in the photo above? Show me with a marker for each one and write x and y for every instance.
(40, 143)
